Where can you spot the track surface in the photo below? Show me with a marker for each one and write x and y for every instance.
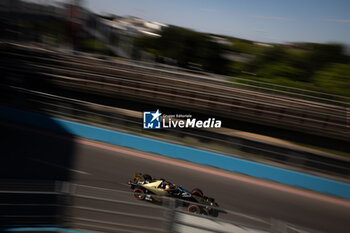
(35, 154)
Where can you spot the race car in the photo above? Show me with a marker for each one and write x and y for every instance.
(149, 189)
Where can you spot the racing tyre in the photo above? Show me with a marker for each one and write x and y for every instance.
(139, 194)
(194, 209)
(197, 192)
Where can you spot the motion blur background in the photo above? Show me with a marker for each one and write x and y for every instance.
(282, 93)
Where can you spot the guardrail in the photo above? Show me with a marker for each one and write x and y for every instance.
(302, 94)
(145, 85)
(131, 121)
(111, 210)
(315, 118)
(83, 63)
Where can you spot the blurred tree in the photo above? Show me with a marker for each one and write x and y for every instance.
(280, 70)
(187, 47)
(212, 58)
(321, 54)
(271, 55)
(334, 78)
(245, 46)
(282, 62)
(317, 57)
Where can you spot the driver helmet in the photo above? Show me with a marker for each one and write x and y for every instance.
(167, 187)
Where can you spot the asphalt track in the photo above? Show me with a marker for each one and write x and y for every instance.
(36, 154)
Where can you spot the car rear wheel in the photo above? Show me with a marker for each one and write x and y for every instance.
(139, 194)
(197, 192)
(194, 209)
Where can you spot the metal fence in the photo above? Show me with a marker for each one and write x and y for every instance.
(140, 83)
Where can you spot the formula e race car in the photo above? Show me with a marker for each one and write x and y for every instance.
(153, 190)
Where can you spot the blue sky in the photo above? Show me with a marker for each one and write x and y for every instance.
(261, 20)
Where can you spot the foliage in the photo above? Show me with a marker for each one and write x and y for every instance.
(334, 78)
(299, 64)
(94, 46)
(187, 47)
(245, 46)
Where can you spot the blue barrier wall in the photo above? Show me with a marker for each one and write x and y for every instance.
(280, 175)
